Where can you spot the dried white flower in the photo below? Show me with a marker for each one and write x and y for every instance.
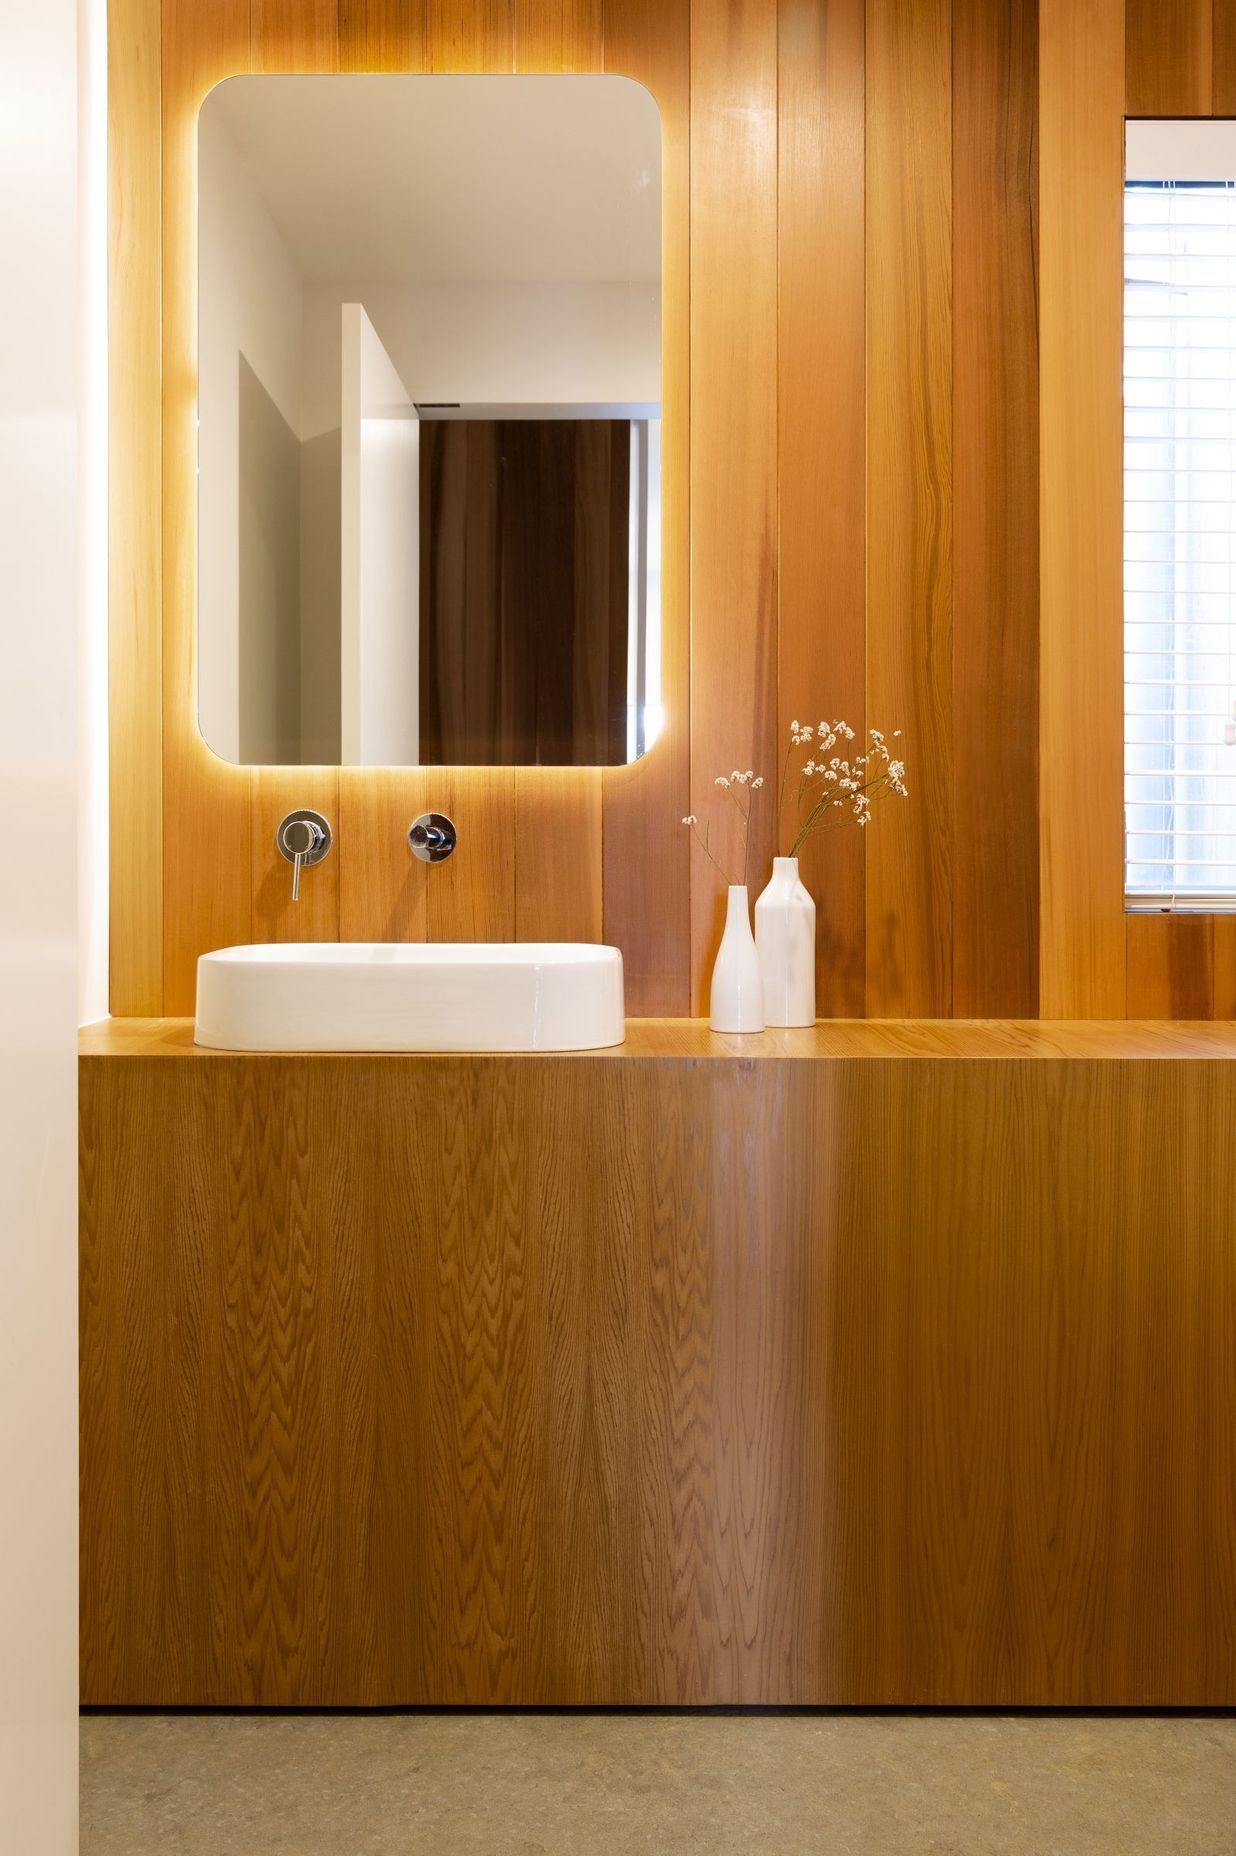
(873, 774)
(757, 782)
(690, 819)
(722, 782)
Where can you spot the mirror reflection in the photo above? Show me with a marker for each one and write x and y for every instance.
(429, 420)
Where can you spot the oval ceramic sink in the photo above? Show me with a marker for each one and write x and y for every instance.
(369, 995)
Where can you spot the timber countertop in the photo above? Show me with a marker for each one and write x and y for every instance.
(689, 1039)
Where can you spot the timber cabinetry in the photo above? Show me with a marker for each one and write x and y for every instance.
(870, 1364)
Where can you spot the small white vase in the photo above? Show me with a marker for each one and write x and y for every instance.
(785, 939)
(737, 999)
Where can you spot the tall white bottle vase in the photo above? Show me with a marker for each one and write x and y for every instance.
(737, 999)
(785, 940)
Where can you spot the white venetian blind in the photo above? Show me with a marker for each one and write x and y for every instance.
(1179, 524)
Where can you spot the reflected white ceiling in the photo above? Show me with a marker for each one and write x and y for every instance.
(455, 179)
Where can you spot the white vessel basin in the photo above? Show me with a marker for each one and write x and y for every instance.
(367, 995)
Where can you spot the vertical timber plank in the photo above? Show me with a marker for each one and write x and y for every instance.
(995, 510)
(470, 35)
(909, 498)
(558, 35)
(558, 810)
(135, 593)
(1223, 58)
(1081, 875)
(1168, 52)
(557, 854)
(733, 438)
(206, 841)
(1171, 966)
(646, 854)
(821, 442)
(381, 35)
(293, 36)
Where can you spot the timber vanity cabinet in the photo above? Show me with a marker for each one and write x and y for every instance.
(886, 1362)
(876, 1364)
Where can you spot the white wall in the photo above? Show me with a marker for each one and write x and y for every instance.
(379, 554)
(576, 344)
(39, 552)
(93, 839)
(251, 304)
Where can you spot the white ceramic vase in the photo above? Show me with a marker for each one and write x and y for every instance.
(785, 940)
(737, 999)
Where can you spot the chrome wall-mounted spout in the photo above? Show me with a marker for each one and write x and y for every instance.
(304, 838)
(432, 837)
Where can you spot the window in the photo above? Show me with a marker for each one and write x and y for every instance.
(1180, 527)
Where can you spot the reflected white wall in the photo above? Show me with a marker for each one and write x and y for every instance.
(250, 307)
(40, 370)
(379, 629)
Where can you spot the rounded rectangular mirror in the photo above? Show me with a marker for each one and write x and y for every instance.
(429, 386)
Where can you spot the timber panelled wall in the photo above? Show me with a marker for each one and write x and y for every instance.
(892, 493)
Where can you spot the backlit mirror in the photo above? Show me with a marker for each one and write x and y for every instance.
(429, 392)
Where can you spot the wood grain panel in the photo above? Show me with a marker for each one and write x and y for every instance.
(557, 848)
(569, 1381)
(1167, 57)
(821, 558)
(381, 35)
(471, 897)
(733, 437)
(1224, 967)
(206, 841)
(893, 160)
(383, 888)
(1170, 966)
(558, 35)
(557, 854)
(910, 497)
(135, 645)
(294, 35)
(470, 35)
(995, 510)
(646, 855)
(1223, 57)
(1081, 875)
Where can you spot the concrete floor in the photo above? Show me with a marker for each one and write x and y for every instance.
(702, 1785)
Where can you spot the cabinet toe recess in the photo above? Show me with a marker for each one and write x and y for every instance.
(834, 1371)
